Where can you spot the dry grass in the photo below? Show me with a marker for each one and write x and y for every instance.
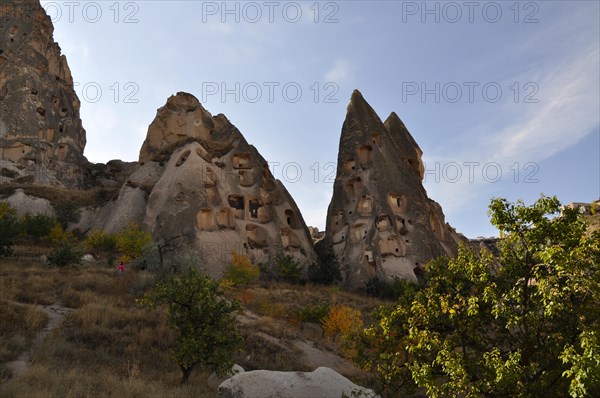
(18, 325)
(107, 347)
(111, 347)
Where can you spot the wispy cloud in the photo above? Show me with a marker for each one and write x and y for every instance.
(339, 71)
(567, 111)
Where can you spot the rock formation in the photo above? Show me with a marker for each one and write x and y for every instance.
(199, 177)
(41, 135)
(322, 382)
(380, 221)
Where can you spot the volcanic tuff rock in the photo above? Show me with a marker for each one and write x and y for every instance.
(41, 136)
(199, 177)
(380, 221)
(322, 382)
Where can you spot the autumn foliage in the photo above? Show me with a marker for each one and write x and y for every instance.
(341, 320)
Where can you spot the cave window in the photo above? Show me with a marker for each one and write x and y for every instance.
(183, 158)
(365, 155)
(241, 161)
(397, 202)
(349, 165)
(292, 219)
(353, 187)
(237, 202)
(254, 205)
(376, 139)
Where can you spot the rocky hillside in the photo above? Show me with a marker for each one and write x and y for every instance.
(198, 177)
(380, 221)
(41, 134)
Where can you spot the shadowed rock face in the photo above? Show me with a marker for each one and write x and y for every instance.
(41, 136)
(380, 221)
(199, 177)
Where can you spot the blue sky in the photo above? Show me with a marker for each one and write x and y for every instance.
(502, 97)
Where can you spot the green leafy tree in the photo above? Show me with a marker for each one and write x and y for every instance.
(64, 255)
(288, 270)
(313, 313)
(326, 270)
(67, 213)
(9, 228)
(523, 324)
(131, 242)
(203, 319)
(98, 241)
(37, 226)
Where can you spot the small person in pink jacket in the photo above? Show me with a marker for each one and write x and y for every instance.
(121, 267)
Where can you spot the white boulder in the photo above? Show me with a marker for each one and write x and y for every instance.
(322, 383)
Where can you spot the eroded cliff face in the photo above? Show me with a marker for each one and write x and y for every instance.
(380, 221)
(199, 177)
(41, 135)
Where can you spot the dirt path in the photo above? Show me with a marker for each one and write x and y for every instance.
(55, 313)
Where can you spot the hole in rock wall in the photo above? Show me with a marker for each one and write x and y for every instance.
(365, 155)
(182, 158)
(397, 202)
(225, 218)
(337, 221)
(383, 223)
(354, 187)
(436, 225)
(358, 233)
(349, 166)
(253, 206)
(401, 225)
(292, 219)
(392, 246)
(246, 177)
(237, 202)
(241, 161)
(376, 139)
(365, 205)
(205, 219)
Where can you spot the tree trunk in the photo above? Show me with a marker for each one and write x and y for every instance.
(185, 374)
